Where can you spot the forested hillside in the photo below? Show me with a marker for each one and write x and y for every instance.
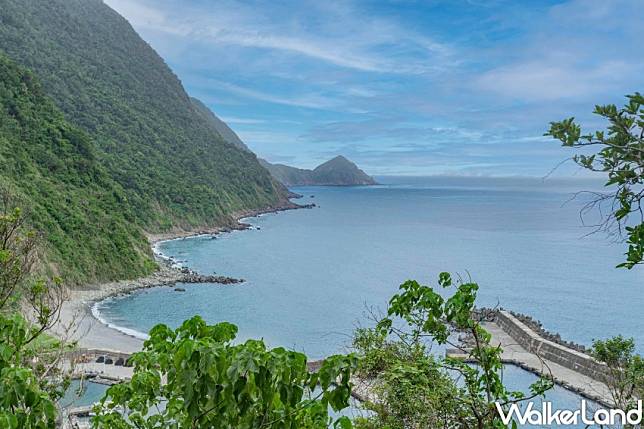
(218, 125)
(49, 167)
(338, 171)
(175, 170)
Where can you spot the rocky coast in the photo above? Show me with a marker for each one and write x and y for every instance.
(78, 323)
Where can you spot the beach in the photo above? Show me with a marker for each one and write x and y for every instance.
(79, 323)
(89, 332)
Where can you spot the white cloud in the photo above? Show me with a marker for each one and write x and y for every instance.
(238, 24)
(541, 80)
(313, 49)
(243, 121)
(254, 121)
(578, 50)
(311, 101)
(470, 94)
(141, 15)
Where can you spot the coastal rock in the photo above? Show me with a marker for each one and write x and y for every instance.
(189, 276)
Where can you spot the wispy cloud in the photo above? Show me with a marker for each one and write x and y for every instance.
(313, 101)
(237, 24)
(234, 120)
(548, 80)
(313, 49)
(254, 121)
(445, 85)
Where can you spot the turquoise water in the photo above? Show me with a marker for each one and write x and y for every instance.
(88, 395)
(311, 274)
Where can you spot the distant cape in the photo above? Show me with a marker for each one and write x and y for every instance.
(338, 171)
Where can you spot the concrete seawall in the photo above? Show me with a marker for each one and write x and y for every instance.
(530, 347)
(549, 350)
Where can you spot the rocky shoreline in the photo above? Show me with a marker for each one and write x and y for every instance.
(94, 333)
(238, 225)
(169, 274)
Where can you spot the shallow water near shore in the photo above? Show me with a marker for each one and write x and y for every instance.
(310, 274)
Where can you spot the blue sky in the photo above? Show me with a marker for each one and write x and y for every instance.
(456, 87)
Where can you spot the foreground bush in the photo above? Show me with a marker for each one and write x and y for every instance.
(195, 377)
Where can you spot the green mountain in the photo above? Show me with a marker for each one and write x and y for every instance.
(218, 125)
(341, 171)
(158, 147)
(176, 170)
(338, 171)
(51, 169)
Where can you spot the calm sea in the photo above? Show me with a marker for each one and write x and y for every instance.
(311, 274)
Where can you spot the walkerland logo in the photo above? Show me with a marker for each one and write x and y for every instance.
(547, 416)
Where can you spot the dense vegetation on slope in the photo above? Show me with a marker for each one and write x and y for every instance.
(289, 176)
(218, 125)
(338, 171)
(51, 167)
(175, 170)
(341, 171)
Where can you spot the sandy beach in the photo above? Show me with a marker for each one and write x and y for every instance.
(77, 323)
(88, 331)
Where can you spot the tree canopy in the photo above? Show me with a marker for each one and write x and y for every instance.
(30, 380)
(196, 377)
(620, 157)
(50, 168)
(162, 164)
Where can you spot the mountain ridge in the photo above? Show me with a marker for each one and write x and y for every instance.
(50, 170)
(175, 172)
(218, 125)
(338, 171)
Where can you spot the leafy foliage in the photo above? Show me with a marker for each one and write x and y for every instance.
(173, 170)
(24, 403)
(625, 377)
(412, 388)
(620, 158)
(28, 387)
(195, 377)
(417, 390)
(52, 168)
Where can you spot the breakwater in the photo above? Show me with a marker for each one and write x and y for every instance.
(564, 355)
(525, 345)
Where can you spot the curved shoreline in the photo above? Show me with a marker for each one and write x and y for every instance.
(81, 321)
(96, 313)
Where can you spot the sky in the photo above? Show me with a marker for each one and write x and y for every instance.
(401, 87)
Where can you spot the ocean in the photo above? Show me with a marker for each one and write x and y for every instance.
(313, 275)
